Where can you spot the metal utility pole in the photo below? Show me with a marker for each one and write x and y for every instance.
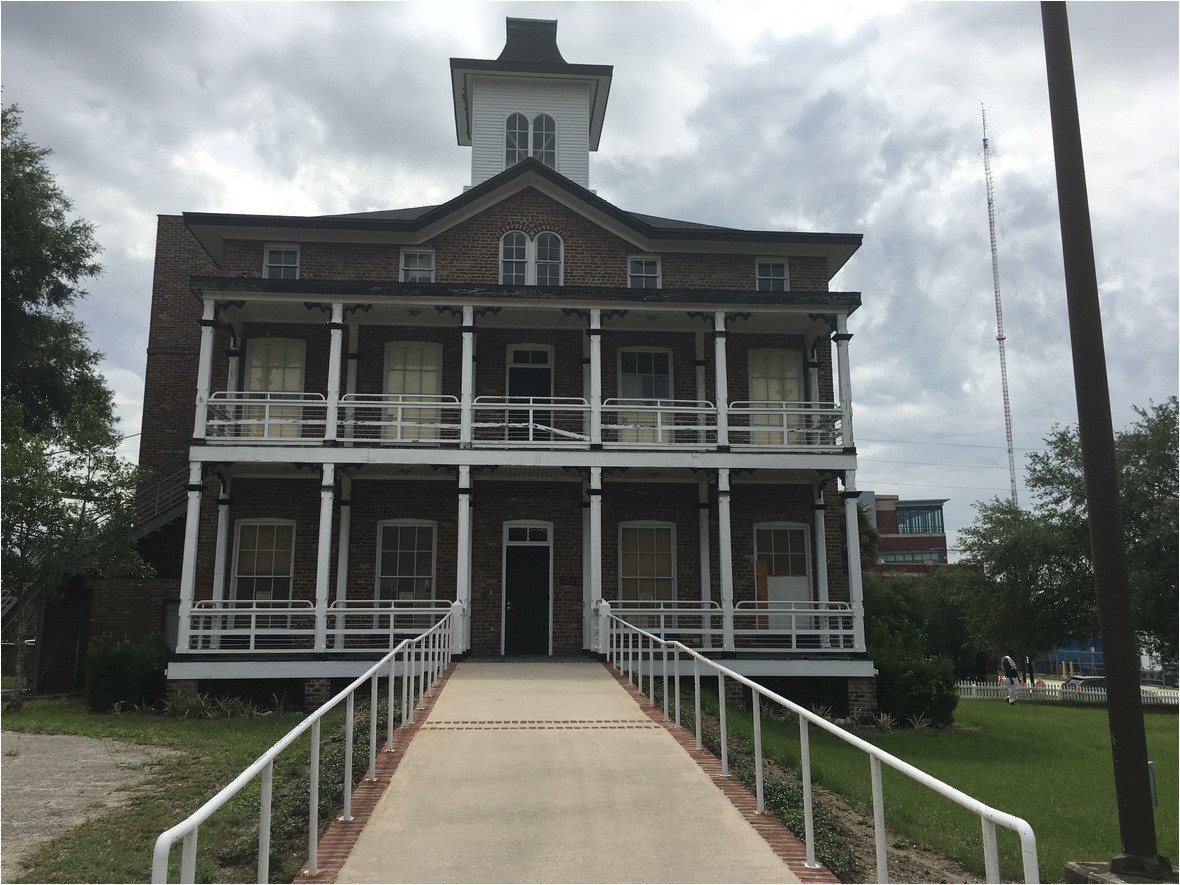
(1121, 656)
(991, 226)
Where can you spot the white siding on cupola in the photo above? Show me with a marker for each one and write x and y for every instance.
(493, 99)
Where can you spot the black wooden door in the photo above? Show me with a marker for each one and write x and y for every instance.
(526, 600)
(530, 381)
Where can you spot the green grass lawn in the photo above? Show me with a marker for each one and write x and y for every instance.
(117, 847)
(1048, 764)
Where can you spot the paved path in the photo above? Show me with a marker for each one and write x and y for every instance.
(551, 772)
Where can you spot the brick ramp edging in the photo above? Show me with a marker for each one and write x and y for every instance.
(337, 843)
(782, 841)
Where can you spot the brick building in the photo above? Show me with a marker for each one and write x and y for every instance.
(524, 400)
(912, 533)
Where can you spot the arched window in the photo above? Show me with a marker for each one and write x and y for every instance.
(513, 258)
(516, 139)
(536, 138)
(545, 140)
(525, 262)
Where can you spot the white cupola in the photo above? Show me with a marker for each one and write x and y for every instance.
(529, 102)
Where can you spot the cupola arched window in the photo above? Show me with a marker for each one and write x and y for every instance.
(535, 262)
(536, 138)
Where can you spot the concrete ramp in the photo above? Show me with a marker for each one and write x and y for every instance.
(551, 772)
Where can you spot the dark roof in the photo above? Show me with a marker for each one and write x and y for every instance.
(660, 233)
(531, 40)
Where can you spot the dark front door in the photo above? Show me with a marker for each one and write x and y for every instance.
(526, 600)
(530, 382)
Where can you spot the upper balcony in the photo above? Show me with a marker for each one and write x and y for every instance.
(497, 422)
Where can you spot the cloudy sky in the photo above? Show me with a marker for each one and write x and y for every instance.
(807, 116)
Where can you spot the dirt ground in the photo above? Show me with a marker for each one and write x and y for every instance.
(50, 783)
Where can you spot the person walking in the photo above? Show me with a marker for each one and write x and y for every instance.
(1011, 676)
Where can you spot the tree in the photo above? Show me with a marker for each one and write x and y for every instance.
(66, 495)
(46, 363)
(1039, 584)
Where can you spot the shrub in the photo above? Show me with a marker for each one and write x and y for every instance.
(124, 672)
(909, 688)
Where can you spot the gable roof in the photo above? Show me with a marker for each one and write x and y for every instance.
(414, 226)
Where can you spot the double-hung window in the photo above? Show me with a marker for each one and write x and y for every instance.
(417, 266)
(413, 383)
(647, 562)
(775, 395)
(643, 273)
(772, 276)
(645, 379)
(281, 263)
(531, 262)
(263, 560)
(536, 138)
(405, 560)
(274, 376)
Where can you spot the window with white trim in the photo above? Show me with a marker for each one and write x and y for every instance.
(405, 560)
(783, 548)
(535, 262)
(536, 138)
(645, 378)
(647, 561)
(281, 263)
(413, 383)
(264, 556)
(417, 266)
(643, 273)
(772, 276)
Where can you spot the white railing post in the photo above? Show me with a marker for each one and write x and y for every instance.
(457, 643)
(808, 813)
(604, 637)
(757, 705)
(879, 835)
(313, 804)
(348, 723)
(696, 690)
(991, 855)
(664, 665)
(389, 703)
(373, 687)
(721, 723)
(267, 786)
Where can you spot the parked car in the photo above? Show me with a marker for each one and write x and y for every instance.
(1090, 683)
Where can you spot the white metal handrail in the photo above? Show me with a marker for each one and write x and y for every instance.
(398, 417)
(551, 420)
(424, 659)
(625, 646)
(380, 623)
(794, 625)
(784, 424)
(268, 417)
(659, 422)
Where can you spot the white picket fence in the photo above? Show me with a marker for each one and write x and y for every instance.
(1058, 694)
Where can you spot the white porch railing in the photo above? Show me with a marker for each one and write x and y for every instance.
(237, 626)
(787, 425)
(633, 652)
(794, 626)
(1061, 694)
(422, 661)
(264, 418)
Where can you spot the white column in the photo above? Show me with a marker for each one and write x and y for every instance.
(705, 564)
(463, 552)
(204, 369)
(233, 359)
(188, 567)
(841, 338)
(467, 381)
(812, 396)
(221, 551)
(324, 557)
(595, 551)
(722, 381)
(350, 377)
(595, 378)
(342, 544)
(819, 509)
(856, 596)
(335, 358)
(702, 382)
(725, 552)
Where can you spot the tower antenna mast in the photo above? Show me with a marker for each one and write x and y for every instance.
(991, 224)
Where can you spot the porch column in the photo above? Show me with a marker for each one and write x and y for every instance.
(350, 378)
(595, 551)
(812, 396)
(856, 597)
(722, 382)
(335, 358)
(705, 565)
(463, 552)
(204, 369)
(467, 381)
(595, 333)
(725, 554)
(222, 549)
(819, 509)
(233, 359)
(842, 338)
(324, 557)
(702, 383)
(342, 543)
(188, 567)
